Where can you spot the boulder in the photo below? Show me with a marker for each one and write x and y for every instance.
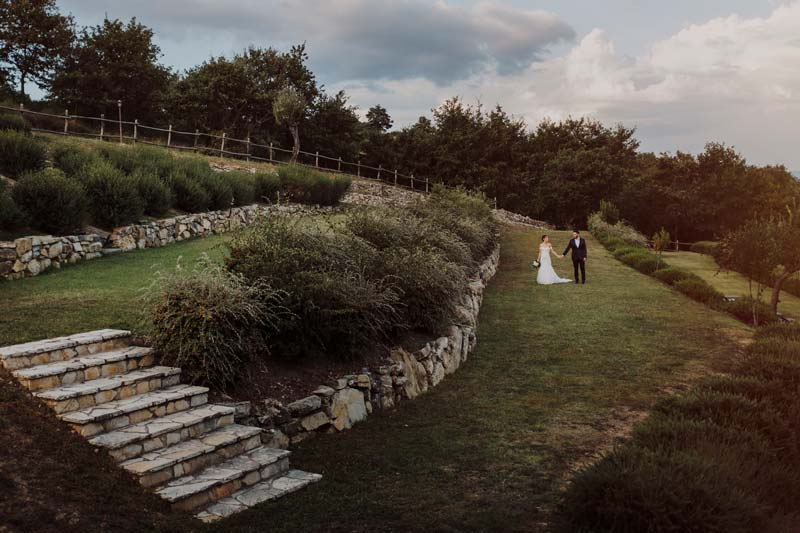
(304, 406)
(348, 408)
(315, 421)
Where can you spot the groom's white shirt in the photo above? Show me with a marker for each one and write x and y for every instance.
(578, 242)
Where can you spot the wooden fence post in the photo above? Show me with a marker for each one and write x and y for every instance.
(412, 182)
(270, 151)
(426, 184)
(135, 130)
(196, 136)
(395, 176)
(339, 167)
(21, 109)
(119, 115)
(66, 122)
(169, 136)
(358, 168)
(380, 167)
(248, 148)
(102, 124)
(222, 146)
(316, 159)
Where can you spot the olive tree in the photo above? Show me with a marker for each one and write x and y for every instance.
(289, 108)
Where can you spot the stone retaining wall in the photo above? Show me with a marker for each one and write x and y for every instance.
(338, 405)
(29, 256)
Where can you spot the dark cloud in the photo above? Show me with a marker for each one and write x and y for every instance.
(355, 39)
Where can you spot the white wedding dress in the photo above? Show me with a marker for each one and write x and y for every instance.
(546, 274)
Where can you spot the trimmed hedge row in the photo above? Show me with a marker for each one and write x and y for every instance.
(725, 457)
(348, 285)
(121, 183)
(705, 247)
(683, 281)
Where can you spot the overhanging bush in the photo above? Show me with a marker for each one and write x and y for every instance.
(72, 158)
(267, 186)
(11, 216)
(20, 153)
(603, 231)
(155, 194)
(211, 322)
(51, 201)
(307, 186)
(243, 187)
(189, 194)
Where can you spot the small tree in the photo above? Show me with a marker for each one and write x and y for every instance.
(661, 241)
(787, 253)
(751, 250)
(289, 108)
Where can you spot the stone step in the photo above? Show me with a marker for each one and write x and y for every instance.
(157, 433)
(62, 348)
(270, 489)
(220, 481)
(99, 391)
(84, 368)
(188, 457)
(109, 416)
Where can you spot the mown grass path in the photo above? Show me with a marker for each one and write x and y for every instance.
(559, 372)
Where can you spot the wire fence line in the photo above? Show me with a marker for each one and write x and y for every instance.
(132, 132)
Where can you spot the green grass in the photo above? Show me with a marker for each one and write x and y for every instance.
(102, 293)
(728, 283)
(558, 373)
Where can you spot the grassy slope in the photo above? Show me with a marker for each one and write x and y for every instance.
(728, 283)
(557, 373)
(98, 294)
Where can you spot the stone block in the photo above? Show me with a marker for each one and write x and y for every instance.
(348, 408)
(304, 406)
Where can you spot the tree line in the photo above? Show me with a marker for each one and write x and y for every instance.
(557, 171)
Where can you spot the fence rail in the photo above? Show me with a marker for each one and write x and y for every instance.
(125, 131)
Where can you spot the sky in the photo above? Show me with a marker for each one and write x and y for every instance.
(682, 72)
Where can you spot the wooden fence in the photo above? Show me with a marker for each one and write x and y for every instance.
(123, 131)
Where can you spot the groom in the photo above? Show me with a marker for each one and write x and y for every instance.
(578, 247)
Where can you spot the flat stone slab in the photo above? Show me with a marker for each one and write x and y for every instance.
(155, 427)
(60, 343)
(264, 491)
(229, 470)
(128, 405)
(183, 451)
(81, 363)
(97, 385)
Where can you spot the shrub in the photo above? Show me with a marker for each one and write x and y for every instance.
(189, 194)
(783, 330)
(11, 217)
(113, 197)
(13, 121)
(671, 275)
(608, 212)
(243, 186)
(645, 263)
(431, 286)
(705, 247)
(339, 309)
(211, 322)
(602, 230)
(742, 309)
(392, 228)
(219, 191)
(307, 186)
(155, 194)
(121, 156)
(699, 290)
(267, 186)
(72, 158)
(53, 202)
(613, 243)
(20, 153)
(626, 250)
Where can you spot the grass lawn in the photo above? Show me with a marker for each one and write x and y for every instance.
(558, 374)
(728, 283)
(103, 293)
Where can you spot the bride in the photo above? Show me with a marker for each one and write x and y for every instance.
(546, 274)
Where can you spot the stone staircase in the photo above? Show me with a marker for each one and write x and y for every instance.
(190, 452)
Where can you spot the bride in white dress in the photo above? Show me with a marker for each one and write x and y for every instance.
(546, 274)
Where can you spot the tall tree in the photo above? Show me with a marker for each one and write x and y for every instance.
(113, 61)
(34, 38)
(333, 127)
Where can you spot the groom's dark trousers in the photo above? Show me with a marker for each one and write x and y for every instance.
(579, 254)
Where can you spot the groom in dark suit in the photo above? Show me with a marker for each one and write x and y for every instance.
(578, 247)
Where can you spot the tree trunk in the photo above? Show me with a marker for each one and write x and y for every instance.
(776, 290)
(296, 138)
(22, 85)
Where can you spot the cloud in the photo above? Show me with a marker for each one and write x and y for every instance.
(369, 39)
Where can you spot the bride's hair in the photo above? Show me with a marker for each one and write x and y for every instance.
(544, 237)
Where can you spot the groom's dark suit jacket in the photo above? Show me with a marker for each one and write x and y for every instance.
(578, 252)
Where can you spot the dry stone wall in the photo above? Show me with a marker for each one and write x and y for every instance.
(30, 256)
(337, 406)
